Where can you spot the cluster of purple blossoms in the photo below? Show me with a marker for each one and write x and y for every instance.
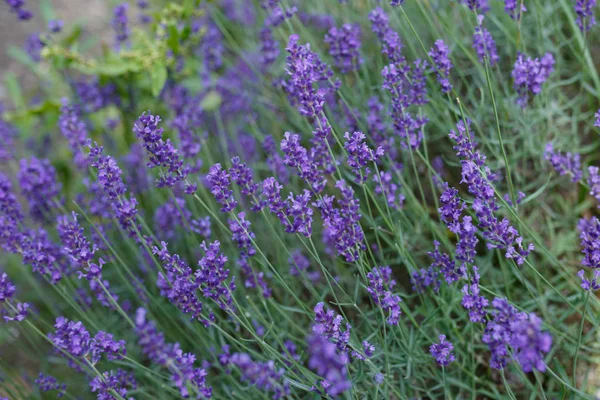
(589, 234)
(477, 176)
(379, 287)
(387, 188)
(219, 183)
(442, 64)
(269, 48)
(190, 142)
(342, 227)
(330, 364)
(169, 355)
(47, 383)
(480, 6)
(111, 183)
(243, 237)
(564, 163)
(529, 75)
(211, 276)
(396, 3)
(585, 14)
(593, 181)
(73, 338)
(484, 45)
(306, 71)
(33, 46)
(161, 153)
(178, 284)
(14, 311)
(93, 95)
(514, 8)
(406, 92)
(275, 161)
(294, 213)
(344, 45)
(241, 174)
(297, 157)
(278, 16)
(499, 330)
(263, 375)
(390, 40)
(590, 285)
(442, 351)
(37, 179)
(120, 24)
(360, 155)
(174, 216)
(472, 299)
(597, 116)
(328, 324)
(55, 25)
(299, 265)
(111, 382)
(9, 206)
(75, 131)
(16, 6)
(530, 343)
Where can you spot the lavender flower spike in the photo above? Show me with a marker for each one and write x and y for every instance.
(442, 351)
(443, 65)
(565, 163)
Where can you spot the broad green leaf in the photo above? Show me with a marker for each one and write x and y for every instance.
(14, 90)
(158, 76)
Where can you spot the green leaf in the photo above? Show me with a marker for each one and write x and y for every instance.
(14, 90)
(47, 10)
(173, 39)
(211, 102)
(158, 76)
(20, 55)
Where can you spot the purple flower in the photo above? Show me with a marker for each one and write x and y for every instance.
(472, 300)
(388, 189)
(593, 181)
(161, 153)
(590, 241)
(171, 357)
(592, 285)
(301, 214)
(174, 216)
(269, 47)
(529, 75)
(585, 14)
(275, 161)
(396, 3)
(33, 46)
(498, 331)
(379, 287)
(446, 266)
(389, 39)
(485, 46)
(75, 131)
(120, 24)
(296, 156)
(55, 25)
(360, 155)
(218, 179)
(565, 163)
(429, 277)
(597, 123)
(344, 45)
(530, 343)
(94, 96)
(78, 248)
(514, 8)
(47, 383)
(328, 324)
(439, 55)
(9, 206)
(330, 364)
(306, 71)
(16, 6)
(241, 174)
(263, 375)
(299, 265)
(117, 381)
(212, 276)
(451, 209)
(7, 291)
(442, 351)
(39, 185)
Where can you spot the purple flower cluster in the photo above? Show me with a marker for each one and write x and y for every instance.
(387, 188)
(73, 338)
(379, 287)
(111, 382)
(530, 343)
(39, 185)
(341, 223)
(14, 311)
(593, 181)
(344, 45)
(33, 46)
(16, 6)
(498, 234)
(514, 8)
(263, 375)
(442, 351)
(174, 216)
(111, 183)
(592, 285)
(120, 24)
(219, 183)
(328, 324)
(564, 163)
(597, 116)
(47, 383)
(269, 48)
(299, 265)
(529, 75)
(389, 39)
(498, 331)
(360, 155)
(585, 14)
(161, 153)
(485, 46)
(297, 157)
(170, 356)
(442, 64)
(211, 276)
(75, 131)
(406, 90)
(306, 71)
(330, 364)
(589, 234)
(472, 299)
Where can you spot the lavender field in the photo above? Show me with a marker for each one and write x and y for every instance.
(300, 200)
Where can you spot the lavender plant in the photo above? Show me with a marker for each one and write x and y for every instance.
(334, 199)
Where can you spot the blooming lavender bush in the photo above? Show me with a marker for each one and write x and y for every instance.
(257, 199)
